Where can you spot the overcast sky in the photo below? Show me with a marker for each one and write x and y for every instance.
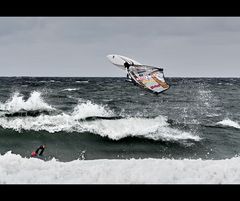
(77, 46)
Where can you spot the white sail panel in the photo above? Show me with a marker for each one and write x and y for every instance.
(148, 77)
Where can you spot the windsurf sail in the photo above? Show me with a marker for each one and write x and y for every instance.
(147, 77)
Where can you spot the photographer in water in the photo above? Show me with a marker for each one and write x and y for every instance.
(35, 153)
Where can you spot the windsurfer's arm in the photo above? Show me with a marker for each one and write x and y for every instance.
(42, 147)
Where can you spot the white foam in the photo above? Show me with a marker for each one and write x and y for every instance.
(34, 102)
(87, 109)
(230, 123)
(151, 128)
(17, 170)
(56, 123)
(82, 81)
(70, 89)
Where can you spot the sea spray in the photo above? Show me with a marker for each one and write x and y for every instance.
(229, 123)
(17, 103)
(150, 128)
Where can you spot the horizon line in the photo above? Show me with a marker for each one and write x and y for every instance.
(118, 76)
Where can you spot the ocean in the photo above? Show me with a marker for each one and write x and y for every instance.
(106, 130)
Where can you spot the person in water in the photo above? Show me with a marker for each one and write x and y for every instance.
(41, 149)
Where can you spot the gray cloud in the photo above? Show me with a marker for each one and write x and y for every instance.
(77, 46)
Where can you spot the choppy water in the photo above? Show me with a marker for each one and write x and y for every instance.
(108, 118)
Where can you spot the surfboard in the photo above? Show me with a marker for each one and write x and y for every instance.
(119, 60)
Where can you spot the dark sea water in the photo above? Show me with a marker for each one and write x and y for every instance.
(108, 118)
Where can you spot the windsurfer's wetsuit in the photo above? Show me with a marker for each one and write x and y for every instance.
(40, 148)
(127, 65)
(35, 153)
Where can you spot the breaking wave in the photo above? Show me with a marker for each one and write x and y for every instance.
(15, 169)
(151, 128)
(33, 103)
(70, 89)
(115, 129)
(85, 117)
(229, 123)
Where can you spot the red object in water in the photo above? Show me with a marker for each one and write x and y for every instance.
(33, 154)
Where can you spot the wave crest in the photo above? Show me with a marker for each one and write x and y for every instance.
(115, 129)
(88, 117)
(88, 109)
(17, 103)
(151, 128)
(229, 123)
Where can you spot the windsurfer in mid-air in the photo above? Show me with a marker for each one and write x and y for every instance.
(127, 65)
(147, 77)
